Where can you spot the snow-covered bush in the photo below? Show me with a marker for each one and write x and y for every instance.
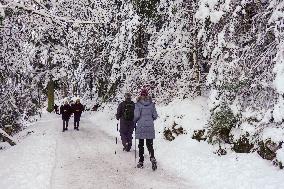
(222, 121)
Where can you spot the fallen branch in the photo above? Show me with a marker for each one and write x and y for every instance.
(7, 137)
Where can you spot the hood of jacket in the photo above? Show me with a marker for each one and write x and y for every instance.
(146, 101)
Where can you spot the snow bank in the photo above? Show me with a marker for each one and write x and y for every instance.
(29, 164)
(4, 145)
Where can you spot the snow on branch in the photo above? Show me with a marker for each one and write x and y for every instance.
(42, 12)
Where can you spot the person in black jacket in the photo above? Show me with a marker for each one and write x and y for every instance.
(77, 109)
(65, 111)
(56, 108)
(125, 113)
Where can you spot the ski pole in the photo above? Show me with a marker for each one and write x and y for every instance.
(116, 138)
(135, 144)
(116, 135)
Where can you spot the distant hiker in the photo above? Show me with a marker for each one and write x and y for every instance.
(77, 109)
(65, 111)
(125, 113)
(60, 109)
(56, 108)
(95, 107)
(144, 115)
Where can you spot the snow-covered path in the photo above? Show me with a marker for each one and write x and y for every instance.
(82, 159)
(87, 159)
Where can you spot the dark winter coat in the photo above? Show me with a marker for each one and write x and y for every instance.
(55, 107)
(125, 125)
(77, 109)
(66, 112)
(144, 115)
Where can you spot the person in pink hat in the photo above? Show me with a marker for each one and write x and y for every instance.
(144, 115)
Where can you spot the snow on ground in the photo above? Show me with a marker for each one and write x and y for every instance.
(46, 158)
(195, 161)
(29, 163)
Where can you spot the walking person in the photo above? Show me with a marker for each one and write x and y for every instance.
(144, 115)
(65, 111)
(77, 109)
(125, 113)
(56, 108)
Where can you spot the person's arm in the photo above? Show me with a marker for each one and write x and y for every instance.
(155, 114)
(119, 111)
(137, 113)
(81, 108)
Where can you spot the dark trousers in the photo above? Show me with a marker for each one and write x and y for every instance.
(149, 144)
(126, 137)
(65, 124)
(76, 121)
(76, 124)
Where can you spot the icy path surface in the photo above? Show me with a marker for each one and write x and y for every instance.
(85, 159)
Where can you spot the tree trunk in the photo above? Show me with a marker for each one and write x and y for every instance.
(50, 96)
(197, 74)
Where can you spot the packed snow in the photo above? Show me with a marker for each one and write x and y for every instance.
(47, 158)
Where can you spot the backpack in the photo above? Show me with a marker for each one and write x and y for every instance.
(128, 113)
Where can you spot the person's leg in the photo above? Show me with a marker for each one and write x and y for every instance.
(66, 128)
(129, 137)
(149, 144)
(78, 122)
(75, 121)
(141, 150)
(63, 125)
(123, 136)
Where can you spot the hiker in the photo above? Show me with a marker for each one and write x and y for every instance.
(144, 115)
(61, 109)
(95, 107)
(65, 111)
(77, 109)
(56, 108)
(125, 113)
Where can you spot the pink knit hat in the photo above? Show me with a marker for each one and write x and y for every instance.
(144, 92)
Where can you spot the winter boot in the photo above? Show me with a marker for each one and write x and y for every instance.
(154, 163)
(140, 164)
(127, 147)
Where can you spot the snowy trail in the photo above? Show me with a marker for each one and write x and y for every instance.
(87, 160)
(46, 158)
